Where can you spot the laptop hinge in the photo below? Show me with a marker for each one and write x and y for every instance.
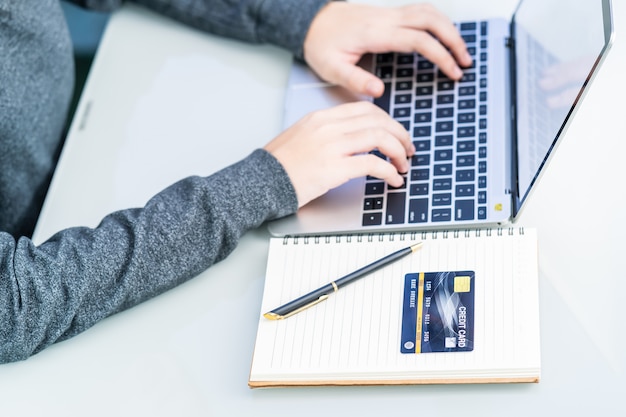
(514, 184)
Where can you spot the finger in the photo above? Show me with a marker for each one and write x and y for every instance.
(430, 48)
(425, 19)
(375, 119)
(367, 140)
(358, 80)
(368, 164)
(442, 28)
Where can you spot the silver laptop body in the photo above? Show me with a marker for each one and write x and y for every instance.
(482, 142)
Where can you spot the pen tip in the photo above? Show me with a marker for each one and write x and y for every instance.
(417, 246)
(272, 316)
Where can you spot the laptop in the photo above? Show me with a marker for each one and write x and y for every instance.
(482, 142)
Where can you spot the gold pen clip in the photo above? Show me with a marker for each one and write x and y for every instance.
(274, 316)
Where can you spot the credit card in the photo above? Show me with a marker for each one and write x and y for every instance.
(438, 312)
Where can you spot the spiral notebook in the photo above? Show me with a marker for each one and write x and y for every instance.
(462, 309)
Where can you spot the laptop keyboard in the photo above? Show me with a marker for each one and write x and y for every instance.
(447, 180)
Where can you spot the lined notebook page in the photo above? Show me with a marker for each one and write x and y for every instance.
(354, 336)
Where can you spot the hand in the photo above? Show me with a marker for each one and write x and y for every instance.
(561, 82)
(329, 147)
(342, 33)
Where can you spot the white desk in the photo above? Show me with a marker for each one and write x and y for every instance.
(174, 355)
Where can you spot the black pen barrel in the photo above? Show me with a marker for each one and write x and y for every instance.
(368, 269)
(304, 300)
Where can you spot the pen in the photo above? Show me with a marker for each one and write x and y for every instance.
(322, 293)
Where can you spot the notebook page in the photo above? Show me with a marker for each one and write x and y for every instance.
(355, 334)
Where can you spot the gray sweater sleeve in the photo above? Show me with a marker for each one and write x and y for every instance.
(280, 22)
(81, 275)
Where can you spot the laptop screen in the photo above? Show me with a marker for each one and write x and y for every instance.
(558, 45)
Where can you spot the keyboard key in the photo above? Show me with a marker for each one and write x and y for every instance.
(443, 126)
(372, 219)
(468, 77)
(373, 203)
(464, 210)
(440, 184)
(403, 85)
(402, 99)
(418, 210)
(443, 155)
(405, 59)
(420, 174)
(445, 85)
(466, 118)
(383, 101)
(418, 189)
(482, 167)
(444, 112)
(482, 197)
(401, 112)
(466, 132)
(465, 146)
(467, 104)
(445, 99)
(420, 160)
(482, 212)
(426, 90)
(482, 109)
(442, 215)
(443, 140)
(372, 188)
(384, 72)
(384, 58)
(482, 137)
(442, 169)
(482, 181)
(421, 131)
(425, 77)
(482, 124)
(404, 73)
(425, 103)
(464, 190)
(464, 160)
(425, 117)
(421, 145)
(444, 199)
(464, 175)
(395, 208)
(424, 64)
(469, 90)
(468, 26)
(469, 38)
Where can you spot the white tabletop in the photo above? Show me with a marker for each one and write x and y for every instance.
(188, 352)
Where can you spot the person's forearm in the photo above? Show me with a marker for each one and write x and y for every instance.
(80, 275)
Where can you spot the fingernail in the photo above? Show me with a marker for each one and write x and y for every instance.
(406, 166)
(457, 73)
(371, 88)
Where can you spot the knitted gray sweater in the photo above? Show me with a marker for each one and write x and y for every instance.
(80, 275)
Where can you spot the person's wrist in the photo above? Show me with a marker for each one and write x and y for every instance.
(316, 27)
